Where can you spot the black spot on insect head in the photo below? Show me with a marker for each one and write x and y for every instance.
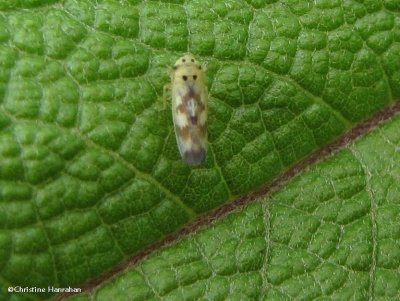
(192, 60)
(175, 67)
(194, 77)
(184, 78)
(183, 60)
(199, 67)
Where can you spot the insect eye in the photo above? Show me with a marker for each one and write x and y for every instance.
(194, 77)
(183, 60)
(175, 67)
(184, 78)
(192, 60)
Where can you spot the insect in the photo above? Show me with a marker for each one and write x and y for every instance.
(189, 108)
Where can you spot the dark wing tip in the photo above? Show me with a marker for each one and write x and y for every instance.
(194, 157)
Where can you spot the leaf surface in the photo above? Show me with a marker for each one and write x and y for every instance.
(89, 168)
(331, 233)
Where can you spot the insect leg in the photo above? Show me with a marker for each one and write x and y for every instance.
(165, 95)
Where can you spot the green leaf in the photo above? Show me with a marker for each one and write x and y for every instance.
(331, 233)
(89, 168)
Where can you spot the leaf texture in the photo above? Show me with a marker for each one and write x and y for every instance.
(331, 233)
(89, 168)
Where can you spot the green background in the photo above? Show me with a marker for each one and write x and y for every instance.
(89, 169)
(331, 233)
